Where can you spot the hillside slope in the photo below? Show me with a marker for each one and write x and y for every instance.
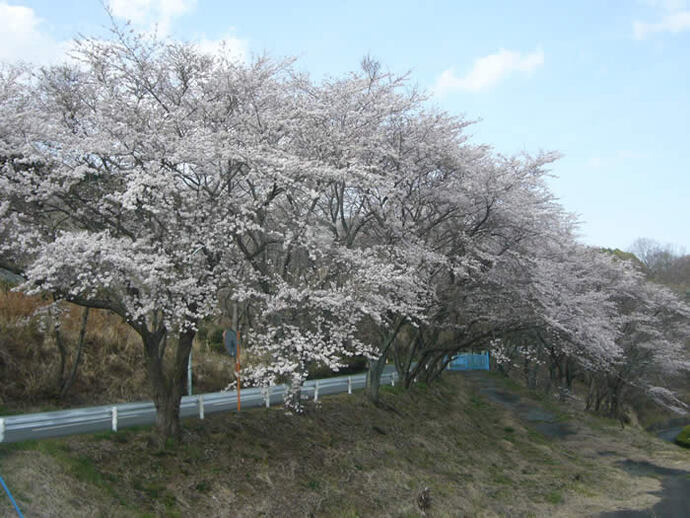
(480, 444)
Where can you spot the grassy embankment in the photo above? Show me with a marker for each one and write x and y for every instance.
(346, 457)
(111, 370)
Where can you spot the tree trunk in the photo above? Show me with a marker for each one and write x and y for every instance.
(440, 366)
(293, 394)
(167, 381)
(59, 380)
(67, 383)
(601, 394)
(403, 363)
(526, 372)
(374, 377)
(590, 393)
(563, 389)
(376, 366)
(433, 368)
(552, 376)
(569, 375)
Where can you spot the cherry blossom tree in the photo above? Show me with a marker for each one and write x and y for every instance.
(345, 218)
(499, 214)
(133, 182)
(596, 318)
(654, 325)
(359, 128)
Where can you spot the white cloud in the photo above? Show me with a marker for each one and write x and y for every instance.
(489, 70)
(151, 12)
(231, 46)
(21, 37)
(673, 22)
(668, 5)
(160, 14)
(676, 18)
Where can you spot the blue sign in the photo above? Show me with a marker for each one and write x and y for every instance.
(230, 339)
(469, 362)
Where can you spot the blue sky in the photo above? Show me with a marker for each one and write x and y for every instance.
(605, 83)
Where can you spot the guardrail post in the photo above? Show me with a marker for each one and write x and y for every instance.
(189, 374)
(201, 407)
(2, 429)
(267, 396)
(349, 384)
(114, 418)
(316, 391)
(393, 379)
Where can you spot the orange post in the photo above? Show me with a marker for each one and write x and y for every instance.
(237, 369)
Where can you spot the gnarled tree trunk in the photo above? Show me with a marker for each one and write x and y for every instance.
(168, 379)
(374, 377)
(377, 366)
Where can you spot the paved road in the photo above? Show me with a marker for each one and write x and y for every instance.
(674, 493)
(113, 417)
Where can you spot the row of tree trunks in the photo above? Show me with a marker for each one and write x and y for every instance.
(606, 395)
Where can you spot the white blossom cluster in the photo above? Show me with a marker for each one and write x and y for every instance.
(149, 177)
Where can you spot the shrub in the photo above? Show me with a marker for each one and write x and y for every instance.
(683, 438)
(353, 365)
(215, 340)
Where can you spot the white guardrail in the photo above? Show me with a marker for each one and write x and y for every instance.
(113, 417)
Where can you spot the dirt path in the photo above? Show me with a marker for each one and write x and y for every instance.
(657, 473)
(541, 420)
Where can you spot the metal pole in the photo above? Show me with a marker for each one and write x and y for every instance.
(7, 490)
(189, 374)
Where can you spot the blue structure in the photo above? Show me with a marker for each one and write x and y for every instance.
(470, 362)
(230, 339)
(7, 490)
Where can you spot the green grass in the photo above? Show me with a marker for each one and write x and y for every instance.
(345, 457)
(5, 411)
(479, 402)
(554, 497)
(683, 438)
(203, 487)
(390, 389)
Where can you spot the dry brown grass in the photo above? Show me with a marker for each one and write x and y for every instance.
(346, 457)
(112, 368)
(29, 356)
(15, 306)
